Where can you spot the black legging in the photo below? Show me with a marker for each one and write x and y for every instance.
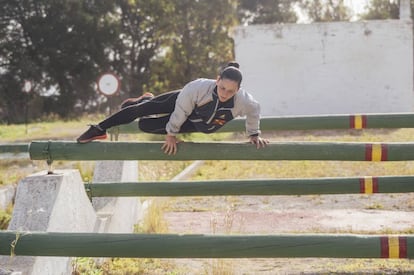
(163, 104)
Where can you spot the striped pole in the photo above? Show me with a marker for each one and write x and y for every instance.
(304, 186)
(315, 122)
(394, 247)
(204, 246)
(346, 151)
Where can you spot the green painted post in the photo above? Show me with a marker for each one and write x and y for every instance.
(14, 148)
(304, 186)
(204, 246)
(311, 122)
(66, 150)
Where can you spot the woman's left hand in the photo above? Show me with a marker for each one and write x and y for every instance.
(170, 145)
(260, 142)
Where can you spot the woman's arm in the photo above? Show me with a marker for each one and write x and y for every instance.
(251, 109)
(195, 92)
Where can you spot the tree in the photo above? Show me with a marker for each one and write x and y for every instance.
(383, 9)
(198, 43)
(326, 11)
(144, 27)
(59, 45)
(266, 11)
(63, 46)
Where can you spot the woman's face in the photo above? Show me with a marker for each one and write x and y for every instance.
(226, 89)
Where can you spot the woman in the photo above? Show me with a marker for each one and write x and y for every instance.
(203, 105)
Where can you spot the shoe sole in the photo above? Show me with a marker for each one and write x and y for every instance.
(93, 138)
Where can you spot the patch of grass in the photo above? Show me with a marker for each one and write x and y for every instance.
(160, 170)
(55, 129)
(86, 169)
(85, 266)
(374, 206)
(366, 266)
(118, 266)
(219, 267)
(153, 221)
(5, 217)
(298, 169)
(13, 170)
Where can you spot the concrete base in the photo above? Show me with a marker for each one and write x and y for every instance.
(58, 203)
(54, 203)
(116, 214)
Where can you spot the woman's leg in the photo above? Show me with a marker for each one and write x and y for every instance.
(157, 125)
(162, 104)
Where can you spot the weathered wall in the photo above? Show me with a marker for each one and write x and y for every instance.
(323, 68)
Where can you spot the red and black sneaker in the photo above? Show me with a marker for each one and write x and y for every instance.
(136, 100)
(94, 132)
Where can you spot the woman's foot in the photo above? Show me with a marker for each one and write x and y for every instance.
(94, 132)
(136, 100)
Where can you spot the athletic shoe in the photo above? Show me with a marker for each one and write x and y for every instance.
(136, 100)
(94, 132)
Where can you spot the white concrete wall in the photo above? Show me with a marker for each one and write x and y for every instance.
(328, 68)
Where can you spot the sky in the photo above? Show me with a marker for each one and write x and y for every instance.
(357, 7)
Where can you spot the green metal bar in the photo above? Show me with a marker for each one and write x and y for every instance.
(303, 186)
(203, 246)
(317, 122)
(14, 148)
(348, 151)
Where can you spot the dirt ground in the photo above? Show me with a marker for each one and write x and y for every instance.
(358, 214)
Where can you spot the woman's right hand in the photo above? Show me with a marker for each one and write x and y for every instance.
(170, 145)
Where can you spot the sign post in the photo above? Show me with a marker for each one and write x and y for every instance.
(109, 85)
(27, 88)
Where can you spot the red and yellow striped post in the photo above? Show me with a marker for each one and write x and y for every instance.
(376, 152)
(358, 121)
(394, 247)
(368, 185)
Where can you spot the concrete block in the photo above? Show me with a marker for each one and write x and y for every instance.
(51, 203)
(117, 214)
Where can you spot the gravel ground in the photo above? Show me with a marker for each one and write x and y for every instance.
(358, 214)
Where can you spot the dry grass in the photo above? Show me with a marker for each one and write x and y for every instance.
(13, 170)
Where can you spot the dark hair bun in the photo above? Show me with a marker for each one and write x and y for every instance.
(233, 64)
(232, 72)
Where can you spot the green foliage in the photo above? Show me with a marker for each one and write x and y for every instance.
(63, 46)
(266, 11)
(325, 11)
(199, 42)
(383, 9)
(144, 28)
(85, 266)
(57, 45)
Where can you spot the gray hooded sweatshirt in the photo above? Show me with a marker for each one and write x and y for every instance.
(198, 102)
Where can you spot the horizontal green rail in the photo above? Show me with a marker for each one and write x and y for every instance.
(317, 122)
(303, 186)
(14, 148)
(347, 151)
(204, 246)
